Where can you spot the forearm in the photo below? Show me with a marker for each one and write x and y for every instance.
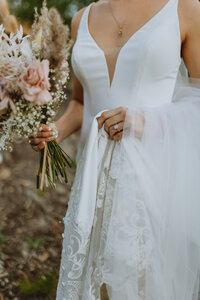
(72, 119)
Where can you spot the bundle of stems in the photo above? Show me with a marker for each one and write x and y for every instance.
(53, 164)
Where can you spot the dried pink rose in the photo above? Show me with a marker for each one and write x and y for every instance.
(5, 100)
(34, 82)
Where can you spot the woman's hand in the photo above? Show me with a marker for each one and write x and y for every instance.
(46, 134)
(114, 121)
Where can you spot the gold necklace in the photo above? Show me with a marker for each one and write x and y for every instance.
(121, 27)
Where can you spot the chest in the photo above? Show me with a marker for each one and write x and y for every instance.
(113, 23)
(153, 50)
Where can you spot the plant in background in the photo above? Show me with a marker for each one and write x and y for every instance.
(41, 286)
(38, 243)
(24, 9)
(35, 244)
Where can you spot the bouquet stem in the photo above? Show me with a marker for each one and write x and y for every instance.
(53, 164)
(43, 168)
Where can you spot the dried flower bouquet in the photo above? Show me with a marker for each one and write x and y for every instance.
(34, 71)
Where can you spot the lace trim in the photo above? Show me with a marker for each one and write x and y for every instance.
(83, 269)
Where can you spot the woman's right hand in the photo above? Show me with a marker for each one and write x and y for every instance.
(46, 134)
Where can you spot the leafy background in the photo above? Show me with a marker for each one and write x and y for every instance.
(24, 9)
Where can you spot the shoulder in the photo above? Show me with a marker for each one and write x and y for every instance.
(190, 5)
(190, 14)
(75, 23)
(99, 6)
(77, 17)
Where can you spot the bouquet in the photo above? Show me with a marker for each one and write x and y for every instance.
(34, 72)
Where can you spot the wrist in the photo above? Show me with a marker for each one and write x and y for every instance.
(70, 122)
(61, 133)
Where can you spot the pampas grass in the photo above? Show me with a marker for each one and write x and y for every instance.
(9, 21)
(4, 10)
(54, 36)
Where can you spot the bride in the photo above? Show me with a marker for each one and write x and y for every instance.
(133, 222)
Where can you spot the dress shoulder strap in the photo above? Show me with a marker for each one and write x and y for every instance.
(84, 19)
(176, 4)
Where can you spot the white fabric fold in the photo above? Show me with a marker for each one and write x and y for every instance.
(153, 242)
(88, 181)
(133, 219)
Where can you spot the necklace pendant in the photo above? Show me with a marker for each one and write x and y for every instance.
(120, 32)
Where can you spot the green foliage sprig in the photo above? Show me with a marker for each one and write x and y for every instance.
(25, 9)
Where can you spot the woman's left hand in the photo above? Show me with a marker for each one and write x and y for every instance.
(113, 121)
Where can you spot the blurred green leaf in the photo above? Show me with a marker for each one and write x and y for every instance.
(42, 286)
(38, 243)
(35, 244)
(24, 9)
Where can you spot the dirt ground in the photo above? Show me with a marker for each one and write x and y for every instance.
(30, 227)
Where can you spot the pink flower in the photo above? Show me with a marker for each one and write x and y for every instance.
(5, 100)
(34, 82)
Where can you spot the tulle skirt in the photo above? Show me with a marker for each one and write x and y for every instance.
(134, 214)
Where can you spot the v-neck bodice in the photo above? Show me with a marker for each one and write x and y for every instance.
(146, 68)
(110, 78)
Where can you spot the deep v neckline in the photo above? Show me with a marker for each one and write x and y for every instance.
(111, 80)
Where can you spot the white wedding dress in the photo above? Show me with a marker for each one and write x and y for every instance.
(133, 220)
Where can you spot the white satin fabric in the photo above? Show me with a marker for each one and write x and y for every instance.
(133, 217)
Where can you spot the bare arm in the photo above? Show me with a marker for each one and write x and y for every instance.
(190, 15)
(71, 121)
(72, 118)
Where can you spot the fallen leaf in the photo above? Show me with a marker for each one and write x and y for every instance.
(5, 173)
(43, 257)
(25, 183)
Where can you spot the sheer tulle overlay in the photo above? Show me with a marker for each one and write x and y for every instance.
(140, 235)
(153, 242)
